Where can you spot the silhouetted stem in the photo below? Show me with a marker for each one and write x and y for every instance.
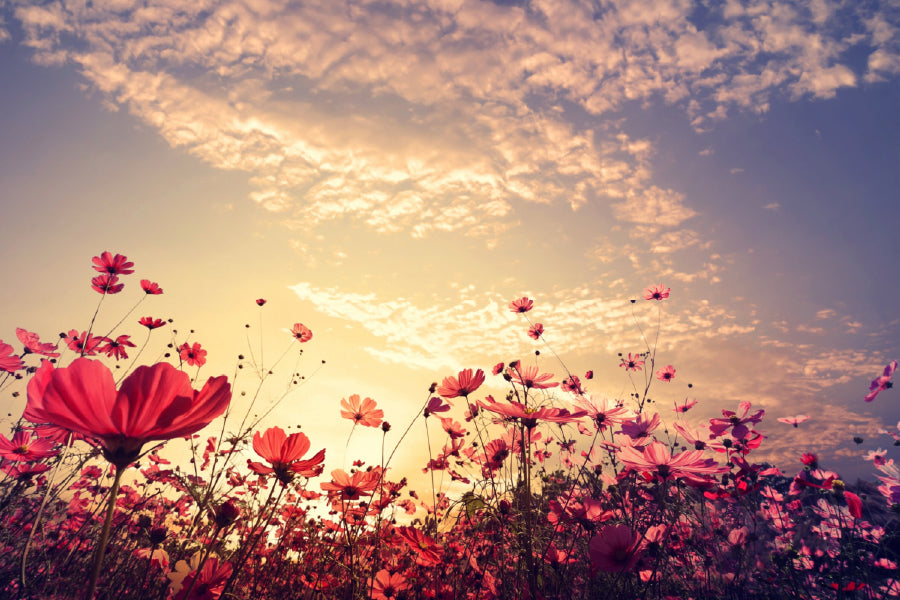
(104, 535)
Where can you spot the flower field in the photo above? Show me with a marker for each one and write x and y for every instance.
(555, 493)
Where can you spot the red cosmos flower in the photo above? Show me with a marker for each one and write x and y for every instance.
(688, 405)
(632, 363)
(113, 265)
(616, 548)
(467, 383)
(362, 414)
(529, 378)
(667, 374)
(153, 403)
(151, 287)
(498, 368)
(521, 305)
(536, 331)
(301, 332)
(385, 586)
(193, 355)
(107, 284)
(589, 375)
(453, 428)
(116, 348)
(260, 301)
(9, 362)
(879, 384)
(572, 384)
(656, 292)
(208, 584)
(283, 452)
(428, 553)
(24, 447)
(795, 421)
(151, 323)
(32, 343)
(84, 344)
(361, 483)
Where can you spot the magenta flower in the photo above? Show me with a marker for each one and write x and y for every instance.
(879, 384)
(192, 354)
(795, 421)
(737, 423)
(284, 452)
(113, 265)
(32, 343)
(530, 379)
(656, 292)
(462, 385)
(667, 374)
(521, 305)
(153, 403)
(150, 287)
(84, 344)
(151, 323)
(9, 362)
(435, 405)
(632, 363)
(107, 284)
(602, 412)
(686, 406)
(536, 331)
(657, 459)
(116, 348)
(616, 548)
(25, 447)
(260, 301)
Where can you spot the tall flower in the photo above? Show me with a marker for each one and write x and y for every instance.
(632, 363)
(362, 413)
(151, 288)
(9, 362)
(529, 378)
(32, 343)
(879, 384)
(192, 354)
(521, 305)
(536, 331)
(461, 386)
(113, 265)
(153, 403)
(284, 452)
(107, 284)
(529, 417)
(667, 374)
(656, 292)
(385, 586)
(351, 487)
(25, 447)
(616, 548)
(657, 460)
(301, 332)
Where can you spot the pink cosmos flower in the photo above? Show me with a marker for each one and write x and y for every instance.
(9, 362)
(24, 447)
(151, 287)
(632, 363)
(795, 421)
(112, 265)
(153, 403)
(616, 548)
(656, 292)
(208, 584)
(498, 368)
(657, 459)
(151, 323)
(428, 553)
(116, 348)
(521, 305)
(301, 332)
(529, 417)
(435, 405)
(107, 284)
(361, 483)
(284, 452)
(536, 331)
(529, 377)
(879, 384)
(32, 343)
(602, 411)
(192, 354)
(386, 586)
(686, 406)
(363, 413)
(453, 428)
(641, 426)
(738, 423)
(667, 374)
(461, 386)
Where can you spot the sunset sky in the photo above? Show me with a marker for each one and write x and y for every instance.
(392, 174)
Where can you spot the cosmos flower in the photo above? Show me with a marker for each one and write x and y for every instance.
(737, 423)
(536, 331)
(25, 447)
(632, 363)
(529, 417)
(879, 384)
(193, 355)
(614, 549)
(151, 288)
(207, 584)
(530, 379)
(428, 553)
(107, 284)
(686, 406)
(602, 411)
(521, 305)
(667, 374)
(112, 265)
(462, 385)
(116, 348)
(9, 362)
(795, 421)
(154, 403)
(351, 487)
(656, 459)
(656, 292)
(151, 323)
(32, 343)
(385, 586)
(435, 405)
(362, 413)
(260, 301)
(83, 343)
(301, 332)
(284, 452)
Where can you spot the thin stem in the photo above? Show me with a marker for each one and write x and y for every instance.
(104, 535)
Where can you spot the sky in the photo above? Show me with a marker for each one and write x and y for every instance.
(393, 173)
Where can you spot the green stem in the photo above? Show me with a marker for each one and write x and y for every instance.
(104, 535)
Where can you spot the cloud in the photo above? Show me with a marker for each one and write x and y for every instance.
(440, 115)
(773, 206)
